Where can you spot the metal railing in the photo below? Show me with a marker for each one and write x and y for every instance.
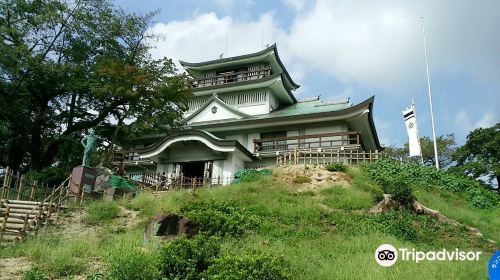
(326, 156)
(164, 181)
(322, 140)
(233, 77)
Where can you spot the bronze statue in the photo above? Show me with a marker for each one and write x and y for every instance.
(88, 143)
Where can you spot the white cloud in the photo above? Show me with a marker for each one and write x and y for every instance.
(295, 5)
(380, 44)
(385, 133)
(465, 123)
(204, 36)
(369, 43)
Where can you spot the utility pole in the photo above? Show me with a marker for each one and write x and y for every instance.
(430, 97)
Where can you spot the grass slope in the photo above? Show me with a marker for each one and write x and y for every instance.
(321, 235)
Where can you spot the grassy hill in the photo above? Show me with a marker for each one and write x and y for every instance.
(286, 224)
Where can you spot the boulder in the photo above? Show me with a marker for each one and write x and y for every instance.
(168, 226)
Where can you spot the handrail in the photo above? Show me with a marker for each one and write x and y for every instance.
(332, 134)
(50, 196)
(228, 78)
(41, 212)
(301, 141)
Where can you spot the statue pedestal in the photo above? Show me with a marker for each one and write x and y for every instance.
(83, 178)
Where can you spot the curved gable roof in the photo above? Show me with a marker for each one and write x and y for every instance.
(215, 98)
(263, 55)
(207, 138)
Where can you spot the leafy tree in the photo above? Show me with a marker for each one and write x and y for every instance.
(67, 66)
(480, 156)
(445, 143)
(395, 152)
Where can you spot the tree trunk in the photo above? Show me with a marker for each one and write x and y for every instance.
(498, 183)
(109, 154)
(36, 138)
(71, 115)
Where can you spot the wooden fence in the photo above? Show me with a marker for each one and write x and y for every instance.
(164, 182)
(22, 215)
(326, 156)
(17, 186)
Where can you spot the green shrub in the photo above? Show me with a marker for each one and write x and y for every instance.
(253, 266)
(189, 258)
(52, 176)
(398, 223)
(399, 188)
(249, 174)
(130, 263)
(481, 197)
(336, 167)
(34, 274)
(220, 218)
(300, 179)
(428, 178)
(101, 211)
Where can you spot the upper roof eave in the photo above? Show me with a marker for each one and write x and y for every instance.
(257, 81)
(272, 48)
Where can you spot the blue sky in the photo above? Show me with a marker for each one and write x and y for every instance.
(355, 49)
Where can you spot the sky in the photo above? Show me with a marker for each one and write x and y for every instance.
(355, 49)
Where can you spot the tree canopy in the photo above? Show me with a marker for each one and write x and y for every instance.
(445, 143)
(67, 66)
(480, 156)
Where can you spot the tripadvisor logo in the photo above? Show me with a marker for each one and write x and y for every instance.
(386, 255)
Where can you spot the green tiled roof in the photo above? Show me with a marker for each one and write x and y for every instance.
(307, 107)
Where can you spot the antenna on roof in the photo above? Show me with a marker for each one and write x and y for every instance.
(262, 38)
(267, 46)
(227, 35)
(220, 55)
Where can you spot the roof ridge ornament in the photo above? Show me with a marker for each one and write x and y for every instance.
(333, 102)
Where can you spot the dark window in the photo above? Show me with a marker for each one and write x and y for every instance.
(272, 145)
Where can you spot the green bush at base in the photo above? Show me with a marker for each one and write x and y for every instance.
(189, 258)
(220, 218)
(252, 266)
(249, 174)
(386, 171)
(129, 263)
(336, 167)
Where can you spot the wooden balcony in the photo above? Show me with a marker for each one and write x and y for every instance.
(231, 77)
(325, 140)
(128, 157)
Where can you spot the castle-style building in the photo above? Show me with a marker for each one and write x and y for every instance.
(244, 114)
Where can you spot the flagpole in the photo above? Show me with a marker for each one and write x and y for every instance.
(430, 97)
(415, 113)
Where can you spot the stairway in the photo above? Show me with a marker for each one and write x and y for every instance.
(19, 218)
(22, 218)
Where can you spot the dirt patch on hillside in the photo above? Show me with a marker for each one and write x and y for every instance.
(14, 268)
(71, 225)
(303, 178)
